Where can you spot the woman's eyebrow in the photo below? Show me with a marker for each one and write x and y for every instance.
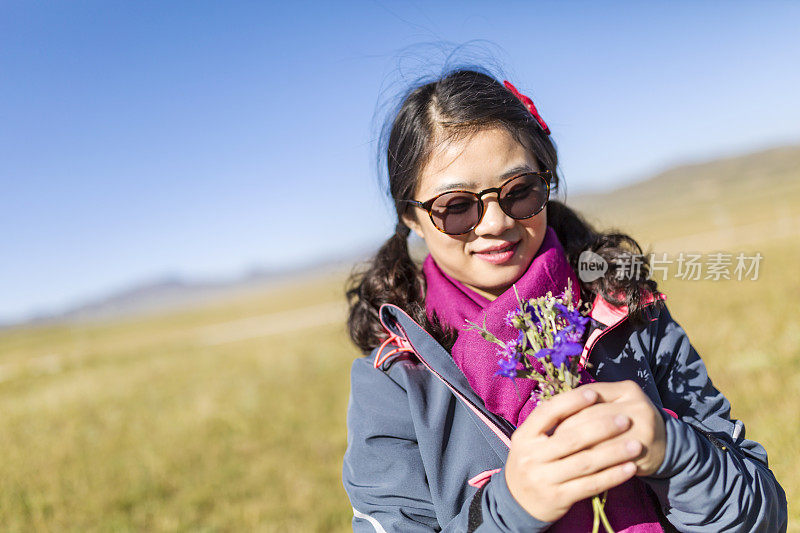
(464, 185)
(459, 185)
(516, 170)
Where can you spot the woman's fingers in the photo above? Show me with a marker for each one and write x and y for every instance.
(611, 391)
(548, 414)
(594, 484)
(592, 414)
(576, 437)
(606, 455)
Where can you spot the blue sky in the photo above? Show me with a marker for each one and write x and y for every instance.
(142, 139)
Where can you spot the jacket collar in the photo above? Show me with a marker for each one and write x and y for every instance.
(434, 356)
(610, 315)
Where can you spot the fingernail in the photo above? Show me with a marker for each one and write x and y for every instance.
(629, 468)
(590, 395)
(633, 446)
(621, 421)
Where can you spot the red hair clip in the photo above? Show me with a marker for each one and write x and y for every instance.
(529, 104)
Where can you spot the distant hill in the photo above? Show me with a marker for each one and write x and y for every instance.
(722, 202)
(174, 292)
(735, 200)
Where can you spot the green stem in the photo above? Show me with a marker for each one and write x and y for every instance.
(603, 517)
(596, 509)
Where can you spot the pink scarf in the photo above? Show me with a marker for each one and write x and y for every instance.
(629, 507)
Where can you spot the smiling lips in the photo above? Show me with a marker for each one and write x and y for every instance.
(498, 254)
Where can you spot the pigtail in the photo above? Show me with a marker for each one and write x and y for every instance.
(577, 235)
(389, 277)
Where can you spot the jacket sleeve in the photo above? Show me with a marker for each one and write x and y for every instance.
(712, 477)
(384, 476)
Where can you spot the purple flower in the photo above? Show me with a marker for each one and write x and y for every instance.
(578, 319)
(508, 368)
(570, 326)
(570, 349)
(521, 319)
(510, 316)
(561, 307)
(509, 359)
(512, 350)
(564, 351)
(560, 353)
(571, 333)
(573, 317)
(558, 357)
(534, 318)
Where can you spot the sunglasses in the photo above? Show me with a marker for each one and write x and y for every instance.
(459, 212)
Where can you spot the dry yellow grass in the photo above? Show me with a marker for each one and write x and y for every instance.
(144, 425)
(748, 333)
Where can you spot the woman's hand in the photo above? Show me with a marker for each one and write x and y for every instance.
(581, 443)
(553, 464)
(626, 398)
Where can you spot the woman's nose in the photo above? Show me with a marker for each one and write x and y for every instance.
(494, 221)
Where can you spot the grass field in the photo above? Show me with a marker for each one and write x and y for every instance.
(231, 416)
(162, 424)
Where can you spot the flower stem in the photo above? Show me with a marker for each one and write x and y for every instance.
(603, 517)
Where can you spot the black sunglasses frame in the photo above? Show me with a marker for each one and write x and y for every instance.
(428, 204)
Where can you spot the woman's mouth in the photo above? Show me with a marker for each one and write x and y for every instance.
(498, 255)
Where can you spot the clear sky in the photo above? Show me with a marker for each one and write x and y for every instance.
(141, 139)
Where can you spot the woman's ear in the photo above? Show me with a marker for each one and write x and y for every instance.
(413, 224)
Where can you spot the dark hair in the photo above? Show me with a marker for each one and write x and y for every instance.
(458, 104)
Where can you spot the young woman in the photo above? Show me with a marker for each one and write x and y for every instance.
(436, 440)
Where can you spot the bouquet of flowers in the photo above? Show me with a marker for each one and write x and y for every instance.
(547, 349)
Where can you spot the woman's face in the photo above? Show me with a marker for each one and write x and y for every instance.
(483, 160)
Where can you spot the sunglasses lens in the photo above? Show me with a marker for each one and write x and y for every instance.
(456, 212)
(524, 196)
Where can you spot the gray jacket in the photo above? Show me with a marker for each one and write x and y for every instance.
(417, 432)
